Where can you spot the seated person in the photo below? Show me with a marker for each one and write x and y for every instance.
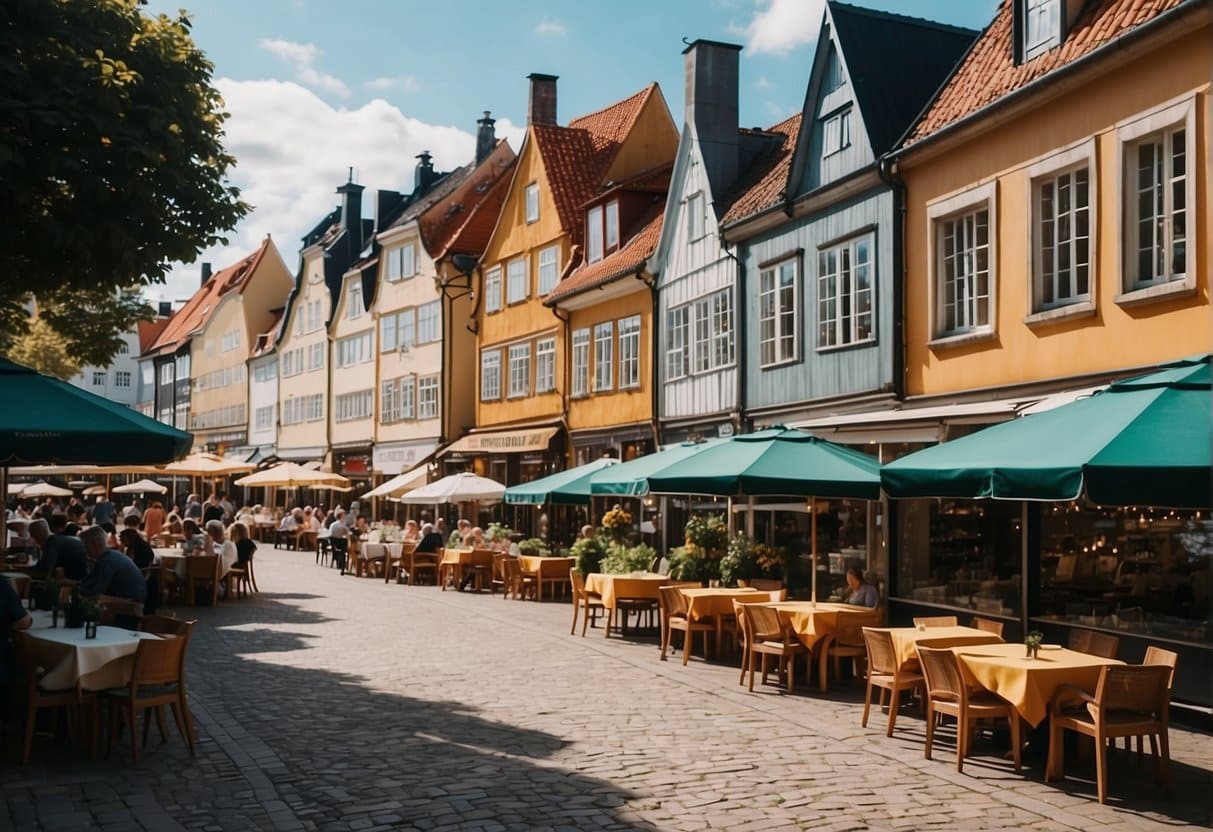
(173, 524)
(194, 542)
(863, 594)
(412, 532)
(290, 522)
(339, 539)
(129, 522)
(136, 548)
(431, 540)
(476, 539)
(59, 550)
(462, 533)
(113, 573)
(244, 545)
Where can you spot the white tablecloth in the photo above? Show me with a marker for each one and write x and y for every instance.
(174, 559)
(98, 663)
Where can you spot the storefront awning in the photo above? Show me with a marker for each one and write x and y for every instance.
(521, 441)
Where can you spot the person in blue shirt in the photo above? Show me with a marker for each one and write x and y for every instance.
(113, 573)
(103, 511)
(863, 594)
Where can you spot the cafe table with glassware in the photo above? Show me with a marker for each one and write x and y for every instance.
(70, 655)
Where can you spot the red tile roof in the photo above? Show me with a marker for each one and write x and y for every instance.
(609, 126)
(473, 234)
(764, 184)
(989, 72)
(445, 220)
(627, 260)
(199, 308)
(149, 331)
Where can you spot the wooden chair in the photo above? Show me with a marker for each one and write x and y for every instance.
(672, 605)
(845, 643)
(1104, 645)
(371, 558)
(947, 693)
(729, 626)
(202, 579)
(1164, 658)
(765, 584)
(32, 697)
(885, 673)
(937, 621)
(764, 634)
(989, 625)
(583, 599)
(498, 579)
(158, 679)
(517, 583)
(1129, 701)
(120, 612)
(396, 565)
(324, 549)
(423, 562)
(165, 625)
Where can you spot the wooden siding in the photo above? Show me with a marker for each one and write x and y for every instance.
(615, 406)
(818, 171)
(833, 371)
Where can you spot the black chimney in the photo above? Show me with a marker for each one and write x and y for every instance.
(206, 274)
(541, 108)
(385, 201)
(424, 175)
(486, 137)
(711, 109)
(351, 213)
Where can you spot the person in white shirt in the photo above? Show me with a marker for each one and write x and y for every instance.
(339, 539)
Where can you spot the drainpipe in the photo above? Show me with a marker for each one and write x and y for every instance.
(887, 169)
(739, 340)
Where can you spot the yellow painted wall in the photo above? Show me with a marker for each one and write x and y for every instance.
(207, 356)
(1115, 337)
(354, 378)
(306, 434)
(461, 373)
(652, 142)
(616, 407)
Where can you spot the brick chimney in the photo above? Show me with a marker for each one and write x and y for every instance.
(711, 108)
(351, 213)
(206, 274)
(486, 137)
(541, 108)
(424, 174)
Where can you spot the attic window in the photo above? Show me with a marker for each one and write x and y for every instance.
(1041, 29)
(532, 202)
(836, 133)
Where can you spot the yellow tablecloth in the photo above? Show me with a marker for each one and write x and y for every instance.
(814, 622)
(98, 663)
(548, 568)
(1029, 684)
(712, 601)
(612, 587)
(905, 640)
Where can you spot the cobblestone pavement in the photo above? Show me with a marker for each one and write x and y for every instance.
(340, 703)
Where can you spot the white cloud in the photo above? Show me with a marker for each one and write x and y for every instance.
(293, 149)
(763, 83)
(301, 57)
(779, 26)
(550, 26)
(407, 83)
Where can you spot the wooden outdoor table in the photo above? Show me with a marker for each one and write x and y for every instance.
(549, 571)
(905, 640)
(815, 624)
(616, 588)
(97, 664)
(456, 563)
(715, 603)
(1029, 684)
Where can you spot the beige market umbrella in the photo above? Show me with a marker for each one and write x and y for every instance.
(401, 483)
(457, 488)
(292, 475)
(45, 489)
(206, 465)
(140, 487)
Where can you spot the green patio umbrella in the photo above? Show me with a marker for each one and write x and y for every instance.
(45, 420)
(775, 462)
(566, 488)
(1141, 441)
(631, 479)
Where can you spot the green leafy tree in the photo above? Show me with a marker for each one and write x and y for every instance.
(112, 159)
(43, 349)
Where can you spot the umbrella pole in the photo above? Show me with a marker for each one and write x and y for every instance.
(813, 558)
(729, 508)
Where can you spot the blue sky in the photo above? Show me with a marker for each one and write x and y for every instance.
(314, 87)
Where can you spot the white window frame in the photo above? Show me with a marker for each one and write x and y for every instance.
(604, 356)
(532, 202)
(581, 362)
(315, 356)
(314, 407)
(595, 244)
(1173, 115)
(429, 322)
(387, 332)
(519, 370)
(400, 262)
(549, 268)
(1050, 168)
(517, 280)
(723, 330)
(98, 378)
(950, 208)
(122, 378)
(263, 417)
(678, 342)
(545, 365)
(1037, 14)
(842, 327)
(354, 406)
(775, 310)
(406, 329)
(490, 375)
(492, 290)
(353, 299)
(695, 208)
(629, 352)
(427, 398)
(406, 397)
(836, 132)
(611, 230)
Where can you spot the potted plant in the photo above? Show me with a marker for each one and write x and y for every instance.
(1032, 642)
(617, 523)
(624, 560)
(589, 552)
(533, 547)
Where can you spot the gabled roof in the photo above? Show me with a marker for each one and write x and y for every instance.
(609, 126)
(629, 259)
(988, 72)
(472, 234)
(198, 309)
(443, 219)
(895, 64)
(764, 183)
(149, 331)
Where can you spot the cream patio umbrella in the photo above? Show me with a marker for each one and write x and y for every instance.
(205, 465)
(456, 488)
(401, 483)
(293, 475)
(45, 489)
(140, 487)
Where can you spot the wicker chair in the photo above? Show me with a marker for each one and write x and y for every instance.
(583, 599)
(989, 625)
(673, 607)
(885, 673)
(158, 679)
(1104, 645)
(1129, 701)
(423, 562)
(765, 634)
(202, 579)
(947, 693)
(937, 621)
(516, 582)
(845, 643)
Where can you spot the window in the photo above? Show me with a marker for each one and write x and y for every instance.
(166, 373)
(314, 320)
(146, 373)
(124, 348)
(122, 378)
(604, 356)
(1062, 230)
(701, 352)
(406, 328)
(612, 225)
(263, 417)
(548, 273)
(265, 371)
(722, 329)
(387, 333)
(98, 378)
(778, 288)
(401, 262)
(602, 226)
(545, 365)
(301, 323)
(833, 75)
(677, 353)
(695, 217)
(490, 375)
(315, 356)
(181, 411)
(389, 407)
(354, 349)
(231, 340)
(836, 134)
(1160, 197)
(292, 362)
(427, 398)
(1041, 26)
(429, 322)
(581, 362)
(315, 407)
(397, 400)
(629, 352)
(594, 245)
(408, 397)
(353, 299)
(516, 281)
(520, 370)
(963, 263)
(844, 293)
(532, 202)
(181, 367)
(350, 407)
(492, 289)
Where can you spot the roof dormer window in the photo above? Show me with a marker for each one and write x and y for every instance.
(602, 227)
(1041, 28)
